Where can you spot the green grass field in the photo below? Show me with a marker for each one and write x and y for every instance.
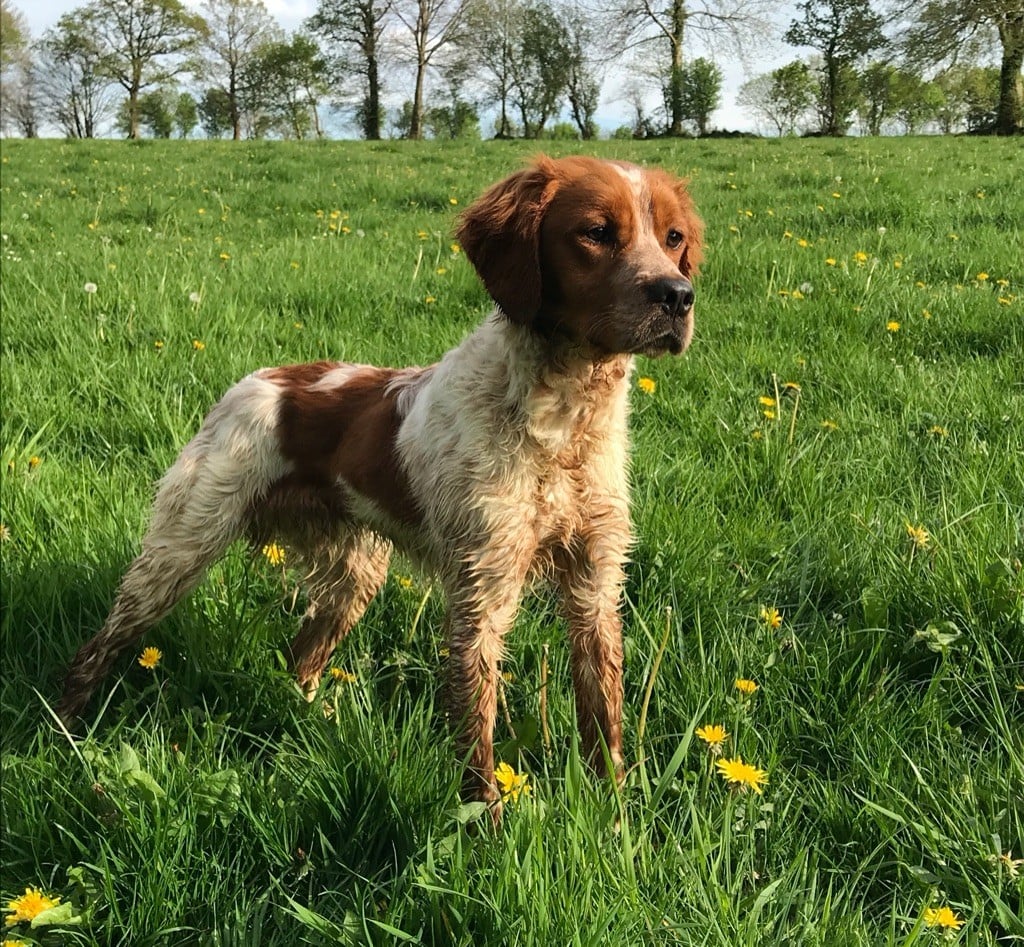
(209, 805)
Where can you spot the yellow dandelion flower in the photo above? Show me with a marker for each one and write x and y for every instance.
(827, 424)
(422, 234)
(942, 917)
(836, 194)
(453, 200)
(346, 229)
(766, 401)
(802, 243)
(511, 783)
(892, 326)
(335, 214)
(937, 430)
(1005, 300)
(742, 775)
(769, 414)
(7, 941)
(830, 261)
(34, 462)
(981, 277)
(791, 386)
(713, 735)
(150, 658)
(772, 617)
(5, 533)
(646, 385)
(29, 906)
(225, 256)
(456, 249)
(441, 271)
(430, 299)
(275, 554)
(198, 346)
(1003, 283)
(745, 686)
(897, 264)
(294, 264)
(343, 676)
(787, 234)
(202, 210)
(796, 294)
(405, 581)
(919, 536)
(860, 256)
(733, 228)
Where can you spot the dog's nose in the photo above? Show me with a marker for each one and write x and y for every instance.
(675, 295)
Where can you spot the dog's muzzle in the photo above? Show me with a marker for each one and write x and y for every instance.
(675, 298)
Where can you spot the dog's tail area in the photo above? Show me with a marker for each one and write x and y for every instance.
(203, 503)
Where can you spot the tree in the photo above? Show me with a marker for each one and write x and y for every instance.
(14, 35)
(539, 68)
(666, 25)
(783, 97)
(19, 98)
(236, 29)
(432, 25)
(186, 114)
(492, 29)
(582, 82)
(945, 32)
(843, 32)
(286, 80)
(916, 102)
(357, 28)
(878, 96)
(76, 93)
(214, 109)
(701, 92)
(143, 44)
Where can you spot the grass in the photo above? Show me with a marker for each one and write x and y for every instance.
(209, 805)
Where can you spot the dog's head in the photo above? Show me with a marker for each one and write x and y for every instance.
(598, 252)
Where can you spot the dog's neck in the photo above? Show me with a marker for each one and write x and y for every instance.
(562, 388)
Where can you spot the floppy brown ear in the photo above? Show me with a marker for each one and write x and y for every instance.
(500, 234)
(693, 229)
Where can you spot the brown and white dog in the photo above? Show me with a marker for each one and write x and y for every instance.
(504, 461)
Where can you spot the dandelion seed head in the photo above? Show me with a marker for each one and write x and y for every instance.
(90, 288)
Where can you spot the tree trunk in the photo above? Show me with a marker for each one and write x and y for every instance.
(371, 121)
(675, 79)
(416, 121)
(1010, 113)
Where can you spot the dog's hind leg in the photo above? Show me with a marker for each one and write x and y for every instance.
(342, 584)
(203, 504)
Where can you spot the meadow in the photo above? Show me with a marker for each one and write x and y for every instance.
(828, 500)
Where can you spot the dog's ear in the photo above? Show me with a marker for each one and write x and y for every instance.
(693, 230)
(500, 234)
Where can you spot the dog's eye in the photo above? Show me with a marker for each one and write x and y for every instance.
(601, 234)
(674, 239)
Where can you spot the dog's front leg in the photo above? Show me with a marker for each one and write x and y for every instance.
(476, 631)
(591, 576)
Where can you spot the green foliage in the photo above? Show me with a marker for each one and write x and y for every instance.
(843, 32)
(207, 804)
(700, 90)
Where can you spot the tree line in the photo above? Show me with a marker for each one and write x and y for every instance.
(534, 68)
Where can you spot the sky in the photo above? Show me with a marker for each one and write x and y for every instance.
(614, 110)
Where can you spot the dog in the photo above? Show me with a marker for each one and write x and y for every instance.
(505, 461)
